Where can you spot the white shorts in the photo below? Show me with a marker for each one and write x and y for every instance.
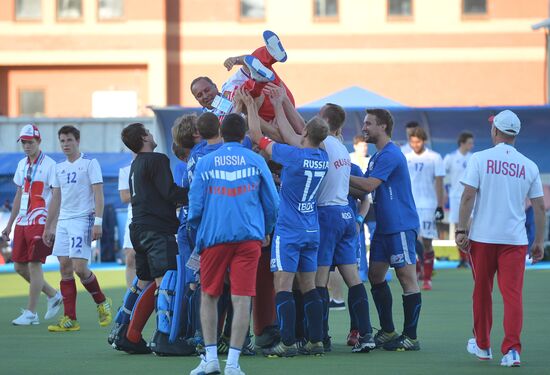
(73, 238)
(428, 228)
(454, 208)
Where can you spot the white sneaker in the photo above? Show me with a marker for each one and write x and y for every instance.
(511, 359)
(258, 71)
(26, 318)
(481, 354)
(233, 371)
(204, 368)
(274, 46)
(54, 304)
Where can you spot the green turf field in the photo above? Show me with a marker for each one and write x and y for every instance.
(445, 325)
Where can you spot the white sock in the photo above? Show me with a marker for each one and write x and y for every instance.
(233, 357)
(211, 352)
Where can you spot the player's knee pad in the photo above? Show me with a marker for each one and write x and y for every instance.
(165, 302)
(128, 303)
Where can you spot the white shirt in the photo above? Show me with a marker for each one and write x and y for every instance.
(455, 165)
(406, 148)
(124, 183)
(334, 188)
(233, 83)
(75, 181)
(503, 178)
(38, 188)
(423, 169)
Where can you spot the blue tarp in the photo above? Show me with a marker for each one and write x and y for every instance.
(443, 126)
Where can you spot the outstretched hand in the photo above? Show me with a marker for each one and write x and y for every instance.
(230, 62)
(275, 93)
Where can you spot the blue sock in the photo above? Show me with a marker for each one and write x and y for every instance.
(286, 315)
(358, 303)
(381, 295)
(323, 292)
(130, 298)
(301, 329)
(411, 309)
(313, 311)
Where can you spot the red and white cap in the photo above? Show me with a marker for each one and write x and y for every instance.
(507, 122)
(29, 132)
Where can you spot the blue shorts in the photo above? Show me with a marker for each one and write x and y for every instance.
(184, 251)
(397, 249)
(294, 250)
(338, 236)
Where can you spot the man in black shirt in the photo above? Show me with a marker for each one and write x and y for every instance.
(154, 197)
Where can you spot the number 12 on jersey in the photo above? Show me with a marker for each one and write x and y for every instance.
(306, 205)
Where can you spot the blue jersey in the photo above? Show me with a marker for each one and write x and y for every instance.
(180, 178)
(352, 201)
(232, 197)
(303, 171)
(393, 200)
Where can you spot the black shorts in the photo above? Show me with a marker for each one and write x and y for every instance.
(155, 252)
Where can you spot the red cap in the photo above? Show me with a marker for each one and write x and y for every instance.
(29, 132)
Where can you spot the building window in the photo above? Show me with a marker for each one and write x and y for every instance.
(69, 9)
(110, 9)
(28, 9)
(325, 8)
(31, 102)
(399, 8)
(474, 7)
(252, 9)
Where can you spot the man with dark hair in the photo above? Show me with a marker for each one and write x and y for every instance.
(75, 216)
(406, 148)
(296, 238)
(427, 171)
(154, 224)
(231, 182)
(455, 165)
(394, 239)
(208, 127)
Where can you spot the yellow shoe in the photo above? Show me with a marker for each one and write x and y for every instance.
(104, 311)
(65, 324)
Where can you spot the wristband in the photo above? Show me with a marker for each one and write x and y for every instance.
(360, 219)
(462, 231)
(98, 221)
(264, 142)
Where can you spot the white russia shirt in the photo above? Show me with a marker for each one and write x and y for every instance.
(423, 169)
(334, 188)
(455, 165)
(503, 178)
(75, 181)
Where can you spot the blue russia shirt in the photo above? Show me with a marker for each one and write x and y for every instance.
(181, 179)
(393, 200)
(232, 197)
(303, 171)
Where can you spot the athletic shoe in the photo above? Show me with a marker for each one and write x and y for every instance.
(210, 367)
(280, 350)
(427, 285)
(511, 359)
(27, 318)
(233, 371)
(364, 344)
(104, 312)
(270, 336)
(54, 304)
(258, 71)
(481, 354)
(327, 344)
(274, 46)
(65, 324)
(382, 338)
(353, 337)
(223, 345)
(336, 306)
(401, 344)
(311, 348)
(248, 347)
(300, 343)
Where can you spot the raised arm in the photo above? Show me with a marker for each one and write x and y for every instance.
(276, 96)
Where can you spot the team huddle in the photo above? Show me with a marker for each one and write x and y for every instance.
(260, 209)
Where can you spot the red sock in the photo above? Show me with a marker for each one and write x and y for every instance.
(92, 286)
(428, 265)
(140, 314)
(68, 291)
